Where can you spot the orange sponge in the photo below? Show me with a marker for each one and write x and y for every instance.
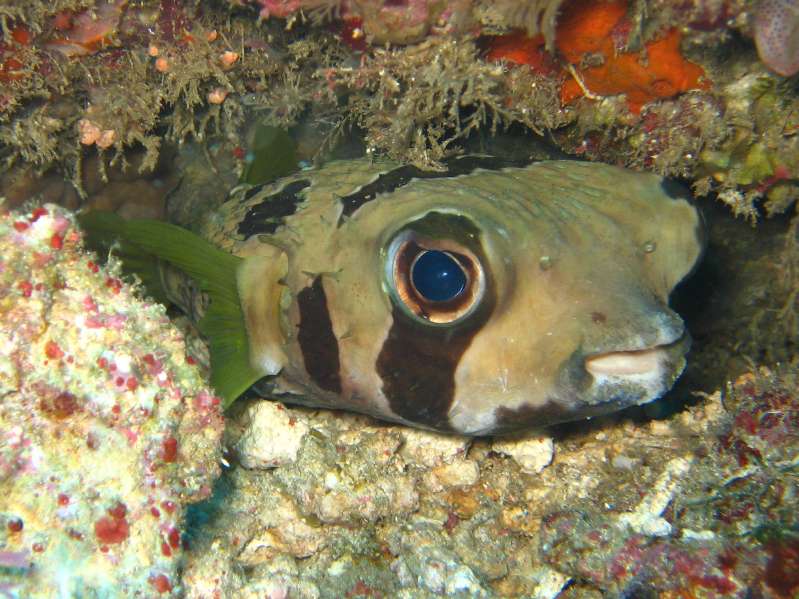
(594, 33)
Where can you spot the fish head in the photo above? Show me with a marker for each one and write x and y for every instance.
(500, 300)
(580, 325)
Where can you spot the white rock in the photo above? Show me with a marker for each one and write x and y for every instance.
(550, 583)
(698, 535)
(431, 449)
(272, 438)
(464, 581)
(532, 453)
(462, 473)
(623, 462)
(645, 518)
(442, 573)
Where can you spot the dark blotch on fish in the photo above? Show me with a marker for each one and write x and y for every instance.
(417, 362)
(317, 341)
(417, 366)
(401, 176)
(267, 216)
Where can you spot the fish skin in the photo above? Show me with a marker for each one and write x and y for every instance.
(579, 261)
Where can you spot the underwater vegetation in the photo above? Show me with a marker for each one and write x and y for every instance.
(693, 89)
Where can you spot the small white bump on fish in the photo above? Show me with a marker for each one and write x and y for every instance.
(503, 380)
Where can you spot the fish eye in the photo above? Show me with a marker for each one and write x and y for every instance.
(437, 281)
(437, 276)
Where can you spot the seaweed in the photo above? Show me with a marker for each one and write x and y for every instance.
(417, 103)
(84, 78)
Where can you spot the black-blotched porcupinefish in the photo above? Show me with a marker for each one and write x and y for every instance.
(477, 300)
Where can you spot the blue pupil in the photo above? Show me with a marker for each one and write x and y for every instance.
(437, 276)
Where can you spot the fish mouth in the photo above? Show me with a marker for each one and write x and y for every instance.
(590, 385)
(634, 376)
(599, 382)
(639, 362)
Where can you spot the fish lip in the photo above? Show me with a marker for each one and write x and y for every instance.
(635, 362)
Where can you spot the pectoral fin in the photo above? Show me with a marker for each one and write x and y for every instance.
(215, 271)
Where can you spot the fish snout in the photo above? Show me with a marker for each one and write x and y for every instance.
(644, 354)
(631, 369)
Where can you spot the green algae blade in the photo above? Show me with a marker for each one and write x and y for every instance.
(144, 242)
(272, 156)
(103, 231)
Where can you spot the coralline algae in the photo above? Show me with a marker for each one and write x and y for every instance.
(106, 429)
(777, 35)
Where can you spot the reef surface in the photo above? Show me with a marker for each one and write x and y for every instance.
(107, 431)
(116, 477)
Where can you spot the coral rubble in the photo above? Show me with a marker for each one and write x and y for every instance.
(729, 530)
(106, 430)
(699, 505)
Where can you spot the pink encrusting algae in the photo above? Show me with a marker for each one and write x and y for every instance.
(777, 35)
(106, 430)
